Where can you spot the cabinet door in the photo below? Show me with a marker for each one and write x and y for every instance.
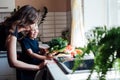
(7, 78)
(7, 5)
(6, 72)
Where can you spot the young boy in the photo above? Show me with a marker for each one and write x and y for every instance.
(31, 52)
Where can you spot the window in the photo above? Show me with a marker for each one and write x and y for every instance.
(87, 14)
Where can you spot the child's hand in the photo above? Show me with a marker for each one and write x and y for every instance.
(49, 56)
(43, 51)
(53, 53)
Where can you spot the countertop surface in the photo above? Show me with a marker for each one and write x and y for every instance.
(55, 71)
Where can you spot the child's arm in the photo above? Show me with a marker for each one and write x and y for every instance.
(41, 57)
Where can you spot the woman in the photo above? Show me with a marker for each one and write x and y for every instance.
(22, 21)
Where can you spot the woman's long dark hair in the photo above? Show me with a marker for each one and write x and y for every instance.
(25, 16)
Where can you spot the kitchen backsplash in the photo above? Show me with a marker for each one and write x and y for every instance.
(54, 24)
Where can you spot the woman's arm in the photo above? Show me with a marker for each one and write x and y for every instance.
(12, 56)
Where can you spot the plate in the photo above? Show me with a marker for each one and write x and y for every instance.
(44, 46)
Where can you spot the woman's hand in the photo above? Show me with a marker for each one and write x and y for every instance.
(42, 65)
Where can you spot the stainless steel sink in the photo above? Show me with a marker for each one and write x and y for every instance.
(67, 66)
(85, 65)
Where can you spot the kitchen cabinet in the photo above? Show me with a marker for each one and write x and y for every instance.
(6, 72)
(7, 5)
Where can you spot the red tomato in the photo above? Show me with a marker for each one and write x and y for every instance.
(69, 47)
(73, 53)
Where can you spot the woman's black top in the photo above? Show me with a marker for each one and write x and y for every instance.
(4, 32)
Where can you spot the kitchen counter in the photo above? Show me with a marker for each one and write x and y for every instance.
(51, 72)
(55, 71)
(84, 70)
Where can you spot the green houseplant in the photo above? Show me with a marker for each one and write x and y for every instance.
(105, 45)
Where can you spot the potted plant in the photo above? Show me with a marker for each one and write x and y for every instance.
(105, 45)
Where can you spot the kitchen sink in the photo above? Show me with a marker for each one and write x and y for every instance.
(68, 65)
(85, 65)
